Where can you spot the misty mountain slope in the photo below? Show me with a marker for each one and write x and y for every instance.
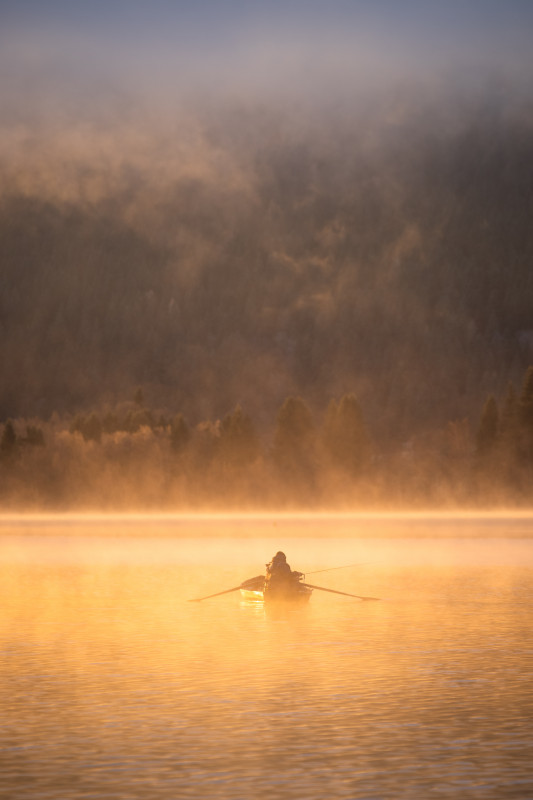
(394, 261)
(74, 302)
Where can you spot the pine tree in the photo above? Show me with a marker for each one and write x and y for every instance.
(525, 414)
(78, 423)
(92, 429)
(8, 442)
(526, 401)
(345, 437)
(509, 413)
(294, 436)
(239, 444)
(110, 423)
(487, 433)
(179, 433)
(34, 436)
(509, 433)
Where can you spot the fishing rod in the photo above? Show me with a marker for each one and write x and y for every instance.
(345, 566)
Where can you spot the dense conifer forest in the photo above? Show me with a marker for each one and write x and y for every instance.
(245, 267)
(132, 456)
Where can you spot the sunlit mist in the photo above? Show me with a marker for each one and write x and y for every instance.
(114, 684)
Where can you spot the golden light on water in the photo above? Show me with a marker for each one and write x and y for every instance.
(116, 685)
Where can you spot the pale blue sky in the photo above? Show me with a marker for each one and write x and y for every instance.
(124, 17)
(261, 40)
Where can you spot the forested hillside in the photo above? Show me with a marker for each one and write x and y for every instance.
(247, 255)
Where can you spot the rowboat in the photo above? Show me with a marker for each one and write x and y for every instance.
(297, 594)
(254, 591)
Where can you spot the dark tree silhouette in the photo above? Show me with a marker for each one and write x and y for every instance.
(509, 418)
(93, 428)
(509, 427)
(34, 436)
(8, 442)
(294, 437)
(89, 426)
(239, 444)
(488, 430)
(345, 436)
(526, 400)
(110, 422)
(179, 434)
(525, 410)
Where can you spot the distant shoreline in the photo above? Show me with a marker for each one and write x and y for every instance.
(364, 524)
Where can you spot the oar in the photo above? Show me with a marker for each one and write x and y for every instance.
(334, 591)
(254, 583)
(249, 584)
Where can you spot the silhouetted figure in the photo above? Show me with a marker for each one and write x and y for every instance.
(280, 580)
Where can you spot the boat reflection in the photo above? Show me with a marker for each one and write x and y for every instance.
(278, 608)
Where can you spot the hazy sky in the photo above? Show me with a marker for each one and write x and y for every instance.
(247, 41)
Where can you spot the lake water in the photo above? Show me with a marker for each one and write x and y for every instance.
(114, 686)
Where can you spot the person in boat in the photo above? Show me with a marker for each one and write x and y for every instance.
(280, 578)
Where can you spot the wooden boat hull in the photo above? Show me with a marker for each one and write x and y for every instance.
(302, 595)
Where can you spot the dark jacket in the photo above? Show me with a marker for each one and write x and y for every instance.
(279, 574)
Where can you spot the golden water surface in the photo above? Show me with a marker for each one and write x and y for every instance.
(114, 686)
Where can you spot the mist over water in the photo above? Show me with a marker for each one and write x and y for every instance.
(114, 685)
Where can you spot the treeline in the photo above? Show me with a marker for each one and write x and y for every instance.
(134, 457)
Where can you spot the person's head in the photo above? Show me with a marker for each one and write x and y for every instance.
(279, 556)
